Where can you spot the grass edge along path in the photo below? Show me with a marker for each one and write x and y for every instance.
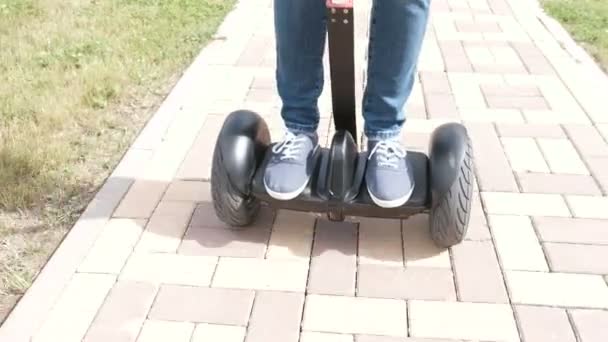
(79, 81)
(587, 23)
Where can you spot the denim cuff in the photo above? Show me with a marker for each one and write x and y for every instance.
(301, 129)
(382, 135)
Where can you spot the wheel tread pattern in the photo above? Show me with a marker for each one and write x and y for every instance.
(231, 207)
(450, 215)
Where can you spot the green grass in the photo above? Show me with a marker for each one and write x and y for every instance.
(587, 22)
(79, 79)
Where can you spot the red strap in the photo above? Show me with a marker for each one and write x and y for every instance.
(339, 3)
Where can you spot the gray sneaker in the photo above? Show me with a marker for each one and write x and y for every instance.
(289, 168)
(389, 176)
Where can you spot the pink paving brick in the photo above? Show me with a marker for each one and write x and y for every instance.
(407, 283)
(275, 317)
(477, 26)
(454, 56)
(492, 89)
(587, 140)
(515, 130)
(334, 259)
(517, 102)
(566, 257)
(535, 60)
(572, 230)
(419, 249)
(435, 82)
(202, 304)
(590, 324)
(553, 183)
(599, 169)
(538, 323)
(478, 276)
(166, 227)
(478, 226)
(493, 169)
(142, 198)
(123, 313)
(249, 242)
(191, 191)
(462, 321)
(441, 106)
(380, 242)
(204, 217)
(197, 164)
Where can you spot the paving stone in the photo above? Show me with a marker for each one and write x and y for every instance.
(291, 236)
(380, 241)
(590, 324)
(566, 257)
(551, 183)
(477, 26)
(524, 90)
(475, 321)
(517, 244)
(276, 317)
(192, 191)
(377, 281)
(166, 227)
(493, 169)
(162, 331)
(516, 130)
(248, 242)
(204, 217)
(113, 246)
(517, 102)
(599, 169)
(535, 60)
(572, 230)
(441, 106)
(524, 155)
(170, 269)
(477, 273)
(562, 157)
(525, 204)
(205, 332)
(334, 259)
(261, 274)
(454, 56)
(587, 140)
(75, 310)
(539, 323)
(142, 198)
(197, 164)
(203, 305)
(435, 82)
(311, 336)
(419, 249)
(378, 338)
(593, 207)
(557, 289)
(355, 315)
(123, 313)
(477, 229)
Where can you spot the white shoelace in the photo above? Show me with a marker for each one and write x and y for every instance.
(290, 147)
(389, 152)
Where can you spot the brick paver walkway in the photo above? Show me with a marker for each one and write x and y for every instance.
(148, 261)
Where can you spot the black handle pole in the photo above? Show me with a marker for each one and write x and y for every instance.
(341, 35)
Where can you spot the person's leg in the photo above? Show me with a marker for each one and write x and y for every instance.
(396, 34)
(300, 31)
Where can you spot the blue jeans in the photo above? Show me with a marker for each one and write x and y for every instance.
(396, 34)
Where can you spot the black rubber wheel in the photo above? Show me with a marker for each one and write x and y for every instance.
(231, 206)
(450, 215)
